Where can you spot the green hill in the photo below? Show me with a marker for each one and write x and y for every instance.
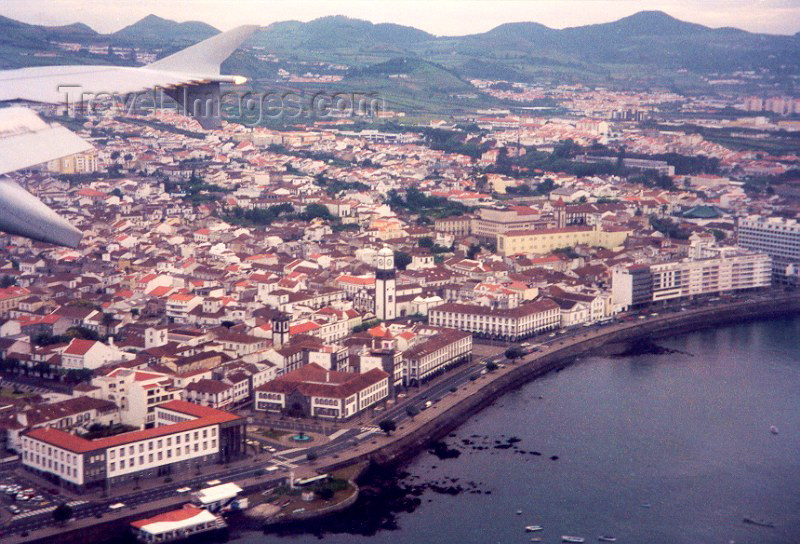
(154, 30)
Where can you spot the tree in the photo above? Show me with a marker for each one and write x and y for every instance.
(425, 241)
(491, 366)
(311, 457)
(388, 426)
(514, 352)
(473, 251)
(62, 513)
(412, 411)
(314, 211)
(325, 493)
(8, 281)
(402, 260)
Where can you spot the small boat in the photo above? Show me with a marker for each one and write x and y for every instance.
(645, 505)
(759, 522)
(607, 538)
(519, 512)
(533, 528)
(536, 539)
(577, 539)
(773, 429)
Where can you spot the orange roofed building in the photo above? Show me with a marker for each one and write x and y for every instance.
(186, 436)
(312, 390)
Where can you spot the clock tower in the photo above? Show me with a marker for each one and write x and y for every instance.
(385, 274)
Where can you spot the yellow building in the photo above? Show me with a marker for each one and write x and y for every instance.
(543, 241)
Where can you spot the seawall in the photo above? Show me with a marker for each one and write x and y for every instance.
(452, 411)
(417, 435)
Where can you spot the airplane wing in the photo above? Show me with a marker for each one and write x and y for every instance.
(26, 140)
(190, 76)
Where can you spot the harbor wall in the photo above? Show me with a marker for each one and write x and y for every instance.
(407, 445)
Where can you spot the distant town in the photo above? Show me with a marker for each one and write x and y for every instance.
(252, 296)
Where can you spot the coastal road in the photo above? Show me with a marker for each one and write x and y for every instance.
(132, 500)
(433, 393)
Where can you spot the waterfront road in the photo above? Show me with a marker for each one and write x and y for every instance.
(350, 441)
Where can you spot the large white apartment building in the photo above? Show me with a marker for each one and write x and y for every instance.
(777, 237)
(707, 270)
(187, 436)
(510, 324)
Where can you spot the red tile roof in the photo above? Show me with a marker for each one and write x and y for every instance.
(187, 512)
(205, 416)
(79, 346)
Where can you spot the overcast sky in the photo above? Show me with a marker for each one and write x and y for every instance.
(441, 17)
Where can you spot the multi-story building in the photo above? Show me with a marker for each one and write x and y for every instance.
(80, 163)
(457, 226)
(10, 297)
(212, 393)
(179, 306)
(490, 223)
(441, 350)
(542, 241)
(777, 237)
(186, 437)
(90, 354)
(313, 391)
(707, 270)
(67, 414)
(136, 393)
(509, 324)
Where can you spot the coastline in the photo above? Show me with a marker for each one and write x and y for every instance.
(453, 410)
(450, 413)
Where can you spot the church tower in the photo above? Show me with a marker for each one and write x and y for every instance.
(385, 303)
(280, 329)
(560, 211)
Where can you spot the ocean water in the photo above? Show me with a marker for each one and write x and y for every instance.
(685, 433)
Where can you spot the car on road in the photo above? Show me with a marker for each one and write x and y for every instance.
(183, 489)
(116, 506)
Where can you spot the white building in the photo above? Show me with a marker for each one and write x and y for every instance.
(777, 237)
(91, 354)
(511, 324)
(186, 437)
(136, 393)
(385, 284)
(708, 270)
